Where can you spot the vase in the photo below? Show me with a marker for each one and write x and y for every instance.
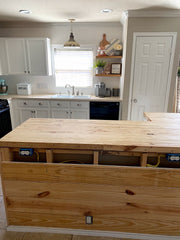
(99, 70)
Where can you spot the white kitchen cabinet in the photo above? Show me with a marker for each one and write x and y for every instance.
(60, 113)
(70, 109)
(25, 114)
(79, 110)
(3, 57)
(28, 56)
(24, 109)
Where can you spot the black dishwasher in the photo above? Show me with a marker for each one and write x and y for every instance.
(104, 110)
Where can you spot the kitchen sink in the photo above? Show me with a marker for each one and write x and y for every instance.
(71, 96)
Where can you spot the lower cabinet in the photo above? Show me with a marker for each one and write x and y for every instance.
(33, 113)
(70, 109)
(25, 109)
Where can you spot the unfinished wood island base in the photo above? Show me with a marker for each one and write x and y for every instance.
(116, 172)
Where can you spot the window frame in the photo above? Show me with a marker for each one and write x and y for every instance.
(82, 47)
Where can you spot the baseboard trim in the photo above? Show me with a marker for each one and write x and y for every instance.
(92, 233)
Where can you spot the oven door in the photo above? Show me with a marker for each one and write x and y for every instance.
(5, 122)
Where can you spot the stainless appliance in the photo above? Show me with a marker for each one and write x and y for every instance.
(100, 89)
(104, 110)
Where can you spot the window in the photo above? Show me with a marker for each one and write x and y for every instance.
(74, 67)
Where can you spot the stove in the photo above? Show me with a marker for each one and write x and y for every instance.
(5, 119)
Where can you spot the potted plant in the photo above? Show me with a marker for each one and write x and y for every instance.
(99, 65)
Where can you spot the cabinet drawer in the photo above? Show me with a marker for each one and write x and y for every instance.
(79, 105)
(59, 104)
(32, 103)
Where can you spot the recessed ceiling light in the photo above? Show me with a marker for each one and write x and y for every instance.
(106, 10)
(25, 11)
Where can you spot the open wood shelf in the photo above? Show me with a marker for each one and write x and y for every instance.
(108, 56)
(108, 75)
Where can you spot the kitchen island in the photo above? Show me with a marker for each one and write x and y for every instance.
(93, 175)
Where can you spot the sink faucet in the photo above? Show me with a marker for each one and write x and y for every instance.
(68, 85)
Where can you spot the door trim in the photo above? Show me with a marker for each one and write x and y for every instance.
(151, 34)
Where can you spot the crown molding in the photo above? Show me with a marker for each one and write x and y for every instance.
(153, 13)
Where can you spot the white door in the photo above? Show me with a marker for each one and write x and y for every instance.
(16, 56)
(151, 75)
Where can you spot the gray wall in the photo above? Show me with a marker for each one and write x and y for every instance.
(85, 34)
(150, 24)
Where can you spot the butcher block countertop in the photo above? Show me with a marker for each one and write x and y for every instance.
(131, 136)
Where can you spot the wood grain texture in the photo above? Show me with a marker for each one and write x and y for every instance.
(117, 223)
(91, 174)
(95, 135)
(140, 200)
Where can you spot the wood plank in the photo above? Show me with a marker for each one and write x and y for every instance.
(6, 154)
(143, 159)
(64, 151)
(105, 202)
(119, 224)
(49, 156)
(96, 135)
(91, 174)
(96, 158)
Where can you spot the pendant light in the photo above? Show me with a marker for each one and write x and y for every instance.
(71, 43)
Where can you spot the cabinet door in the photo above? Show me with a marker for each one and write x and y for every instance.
(38, 56)
(16, 56)
(79, 114)
(57, 113)
(3, 57)
(26, 114)
(42, 113)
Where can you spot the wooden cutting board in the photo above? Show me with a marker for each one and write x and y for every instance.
(104, 42)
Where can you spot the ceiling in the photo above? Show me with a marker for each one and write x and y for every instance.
(81, 10)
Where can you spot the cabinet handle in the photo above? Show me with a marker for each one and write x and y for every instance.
(28, 71)
(78, 104)
(32, 111)
(25, 103)
(58, 104)
(70, 112)
(40, 103)
(24, 71)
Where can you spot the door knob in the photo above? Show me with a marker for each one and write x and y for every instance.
(134, 100)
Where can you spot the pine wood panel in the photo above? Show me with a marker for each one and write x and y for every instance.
(104, 203)
(123, 199)
(91, 174)
(117, 223)
(95, 135)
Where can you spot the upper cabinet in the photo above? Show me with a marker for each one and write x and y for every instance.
(26, 56)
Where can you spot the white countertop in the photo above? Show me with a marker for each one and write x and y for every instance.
(49, 97)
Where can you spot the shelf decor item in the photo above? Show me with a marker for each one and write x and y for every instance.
(116, 68)
(102, 45)
(99, 65)
(114, 48)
